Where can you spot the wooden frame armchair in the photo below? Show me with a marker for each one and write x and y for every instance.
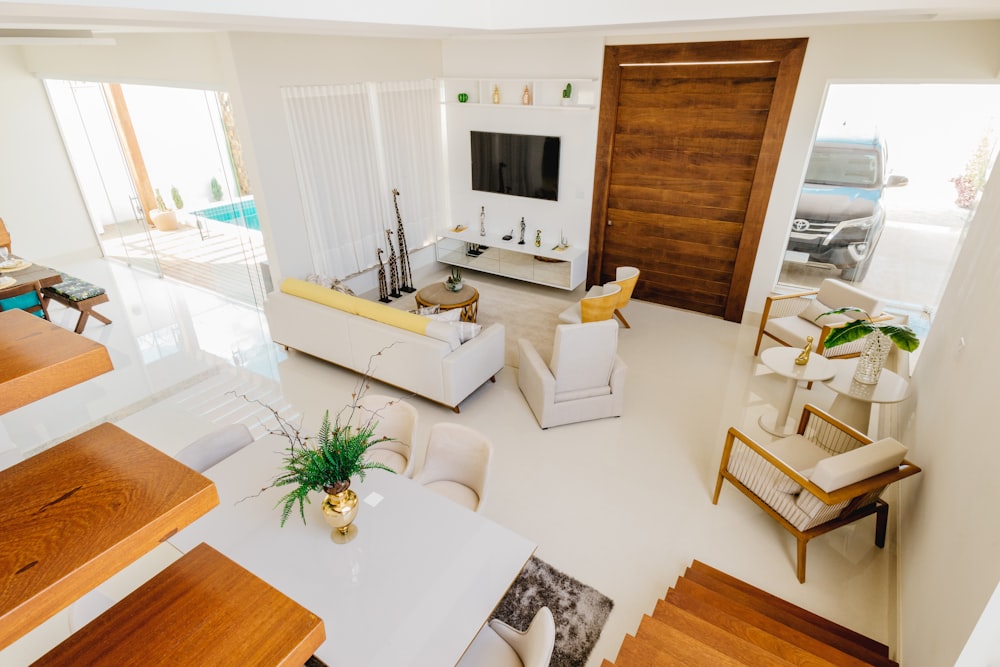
(26, 296)
(825, 476)
(789, 318)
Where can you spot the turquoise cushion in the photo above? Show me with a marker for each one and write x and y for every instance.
(22, 302)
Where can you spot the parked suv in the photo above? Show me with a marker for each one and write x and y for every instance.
(839, 218)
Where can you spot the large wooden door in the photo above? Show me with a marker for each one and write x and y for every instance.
(688, 143)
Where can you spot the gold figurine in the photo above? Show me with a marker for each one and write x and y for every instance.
(803, 357)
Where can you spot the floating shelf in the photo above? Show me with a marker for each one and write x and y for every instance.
(511, 93)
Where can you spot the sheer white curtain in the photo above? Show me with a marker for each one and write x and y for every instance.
(352, 145)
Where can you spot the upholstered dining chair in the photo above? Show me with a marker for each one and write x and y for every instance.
(584, 380)
(598, 304)
(499, 644)
(4, 236)
(394, 419)
(457, 464)
(626, 277)
(790, 318)
(212, 448)
(825, 476)
(27, 296)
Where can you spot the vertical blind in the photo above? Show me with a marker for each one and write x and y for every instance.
(352, 144)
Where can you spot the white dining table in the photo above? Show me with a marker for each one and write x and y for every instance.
(412, 586)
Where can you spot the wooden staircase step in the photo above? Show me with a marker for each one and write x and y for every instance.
(721, 639)
(831, 655)
(785, 614)
(787, 607)
(638, 653)
(673, 641)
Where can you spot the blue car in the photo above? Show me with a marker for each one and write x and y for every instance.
(840, 216)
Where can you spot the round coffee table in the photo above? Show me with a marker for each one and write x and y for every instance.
(781, 360)
(437, 294)
(853, 403)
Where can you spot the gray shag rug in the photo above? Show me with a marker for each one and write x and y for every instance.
(579, 610)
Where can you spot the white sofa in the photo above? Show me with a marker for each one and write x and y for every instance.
(408, 351)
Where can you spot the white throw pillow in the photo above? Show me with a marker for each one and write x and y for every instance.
(850, 467)
(426, 311)
(452, 315)
(466, 330)
(817, 308)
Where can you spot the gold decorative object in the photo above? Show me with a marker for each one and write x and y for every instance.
(340, 510)
(496, 94)
(526, 96)
(803, 357)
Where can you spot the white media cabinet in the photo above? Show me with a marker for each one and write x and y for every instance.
(564, 269)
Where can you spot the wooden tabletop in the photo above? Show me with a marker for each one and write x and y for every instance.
(34, 273)
(204, 609)
(73, 515)
(39, 358)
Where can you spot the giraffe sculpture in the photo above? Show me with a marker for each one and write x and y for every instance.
(383, 292)
(393, 270)
(405, 274)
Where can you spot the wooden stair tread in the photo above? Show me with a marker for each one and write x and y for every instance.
(831, 655)
(637, 653)
(675, 641)
(202, 609)
(717, 637)
(786, 616)
(787, 607)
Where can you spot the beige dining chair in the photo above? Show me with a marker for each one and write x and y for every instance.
(395, 423)
(457, 464)
(500, 644)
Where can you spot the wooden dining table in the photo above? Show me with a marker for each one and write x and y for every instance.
(39, 358)
(43, 275)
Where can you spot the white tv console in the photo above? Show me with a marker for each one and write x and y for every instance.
(564, 269)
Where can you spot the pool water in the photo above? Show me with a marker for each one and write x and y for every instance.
(234, 213)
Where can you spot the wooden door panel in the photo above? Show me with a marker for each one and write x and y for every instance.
(686, 156)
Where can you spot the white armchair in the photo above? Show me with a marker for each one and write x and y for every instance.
(584, 380)
(394, 419)
(790, 318)
(457, 464)
(498, 644)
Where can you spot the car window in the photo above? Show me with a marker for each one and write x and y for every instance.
(833, 166)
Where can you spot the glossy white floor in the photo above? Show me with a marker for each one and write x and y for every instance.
(621, 504)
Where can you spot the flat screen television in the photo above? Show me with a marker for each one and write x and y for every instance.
(522, 165)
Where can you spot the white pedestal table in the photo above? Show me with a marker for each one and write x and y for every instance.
(781, 360)
(853, 403)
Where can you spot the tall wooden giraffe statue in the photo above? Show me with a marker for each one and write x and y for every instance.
(383, 292)
(393, 270)
(405, 274)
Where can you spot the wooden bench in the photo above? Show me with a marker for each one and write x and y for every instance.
(79, 295)
(204, 609)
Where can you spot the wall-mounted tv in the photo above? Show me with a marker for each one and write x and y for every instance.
(522, 165)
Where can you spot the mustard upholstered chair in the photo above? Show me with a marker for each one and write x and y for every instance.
(4, 236)
(625, 277)
(597, 305)
(457, 464)
(584, 380)
(396, 420)
(500, 645)
(790, 318)
(825, 476)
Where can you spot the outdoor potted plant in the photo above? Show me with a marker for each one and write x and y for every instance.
(327, 462)
(163, 217)
(881, 338)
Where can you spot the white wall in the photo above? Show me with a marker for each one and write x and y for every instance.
(38, 191)
(567, 57)
(950, 531)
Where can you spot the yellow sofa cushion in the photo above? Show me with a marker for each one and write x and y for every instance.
(356, 305)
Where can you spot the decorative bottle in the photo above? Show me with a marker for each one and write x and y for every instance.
(538, 238)
(526, 96)
(482, 221)
(496, 94)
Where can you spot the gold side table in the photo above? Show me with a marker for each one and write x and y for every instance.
(438, 295)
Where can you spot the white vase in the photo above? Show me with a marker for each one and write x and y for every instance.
(873, 356)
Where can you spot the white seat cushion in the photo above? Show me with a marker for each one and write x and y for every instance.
(793, 330)
(459, 493)
(798, 453)
(387, 457)
(489, 649)
(845, 469)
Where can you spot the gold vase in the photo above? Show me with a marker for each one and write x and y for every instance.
(340, 510)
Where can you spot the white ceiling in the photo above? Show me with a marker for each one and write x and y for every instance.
(457, 18)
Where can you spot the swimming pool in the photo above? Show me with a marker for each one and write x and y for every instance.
(234, 213)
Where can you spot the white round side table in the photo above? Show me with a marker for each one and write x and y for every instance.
(781, 360)
(853, 403)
